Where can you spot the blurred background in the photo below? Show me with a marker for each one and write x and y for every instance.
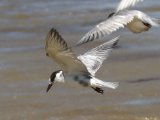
(24, 68)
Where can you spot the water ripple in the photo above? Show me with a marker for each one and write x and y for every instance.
(20, 49)
(148, 101)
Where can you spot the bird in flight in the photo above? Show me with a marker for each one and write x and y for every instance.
(135, 20)
(82, 68)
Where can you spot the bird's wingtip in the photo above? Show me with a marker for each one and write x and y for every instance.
(81, 42)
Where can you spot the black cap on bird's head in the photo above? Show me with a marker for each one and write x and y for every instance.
(55, 76)
(111, 14)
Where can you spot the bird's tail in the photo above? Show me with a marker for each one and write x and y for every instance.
(99, 83)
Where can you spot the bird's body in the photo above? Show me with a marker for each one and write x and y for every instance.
(138, 26)
(82, 68)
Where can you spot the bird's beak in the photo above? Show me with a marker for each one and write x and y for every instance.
(49, 86)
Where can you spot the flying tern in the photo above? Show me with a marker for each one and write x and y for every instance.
(82, 68)
(135, 20)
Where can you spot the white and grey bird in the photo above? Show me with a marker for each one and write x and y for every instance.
(135, 20)
(82, 68)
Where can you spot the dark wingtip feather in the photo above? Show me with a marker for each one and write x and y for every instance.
(81, 42)
(53, 32)
(115, 44)
(89, 37)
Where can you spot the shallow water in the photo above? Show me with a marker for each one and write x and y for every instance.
(24, 68)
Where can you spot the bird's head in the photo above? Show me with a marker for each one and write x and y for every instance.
(56, 76)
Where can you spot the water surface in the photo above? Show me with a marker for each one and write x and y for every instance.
(24, 68)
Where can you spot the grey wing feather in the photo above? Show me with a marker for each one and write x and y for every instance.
(94, 58)
(57, 49)
(55, 43)
(126, 4)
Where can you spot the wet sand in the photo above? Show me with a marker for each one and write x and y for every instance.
(24, 68)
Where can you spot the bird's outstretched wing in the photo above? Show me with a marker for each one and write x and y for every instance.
(118, 20)
(126, 4)
(106, 27)
(58, 50)
(94, 58)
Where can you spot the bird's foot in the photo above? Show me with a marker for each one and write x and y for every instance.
(99, 90)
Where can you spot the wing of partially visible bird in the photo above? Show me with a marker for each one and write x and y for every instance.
(126, 4)
(58, 50)
(94, 58)
(106, 27)
(113, 23)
